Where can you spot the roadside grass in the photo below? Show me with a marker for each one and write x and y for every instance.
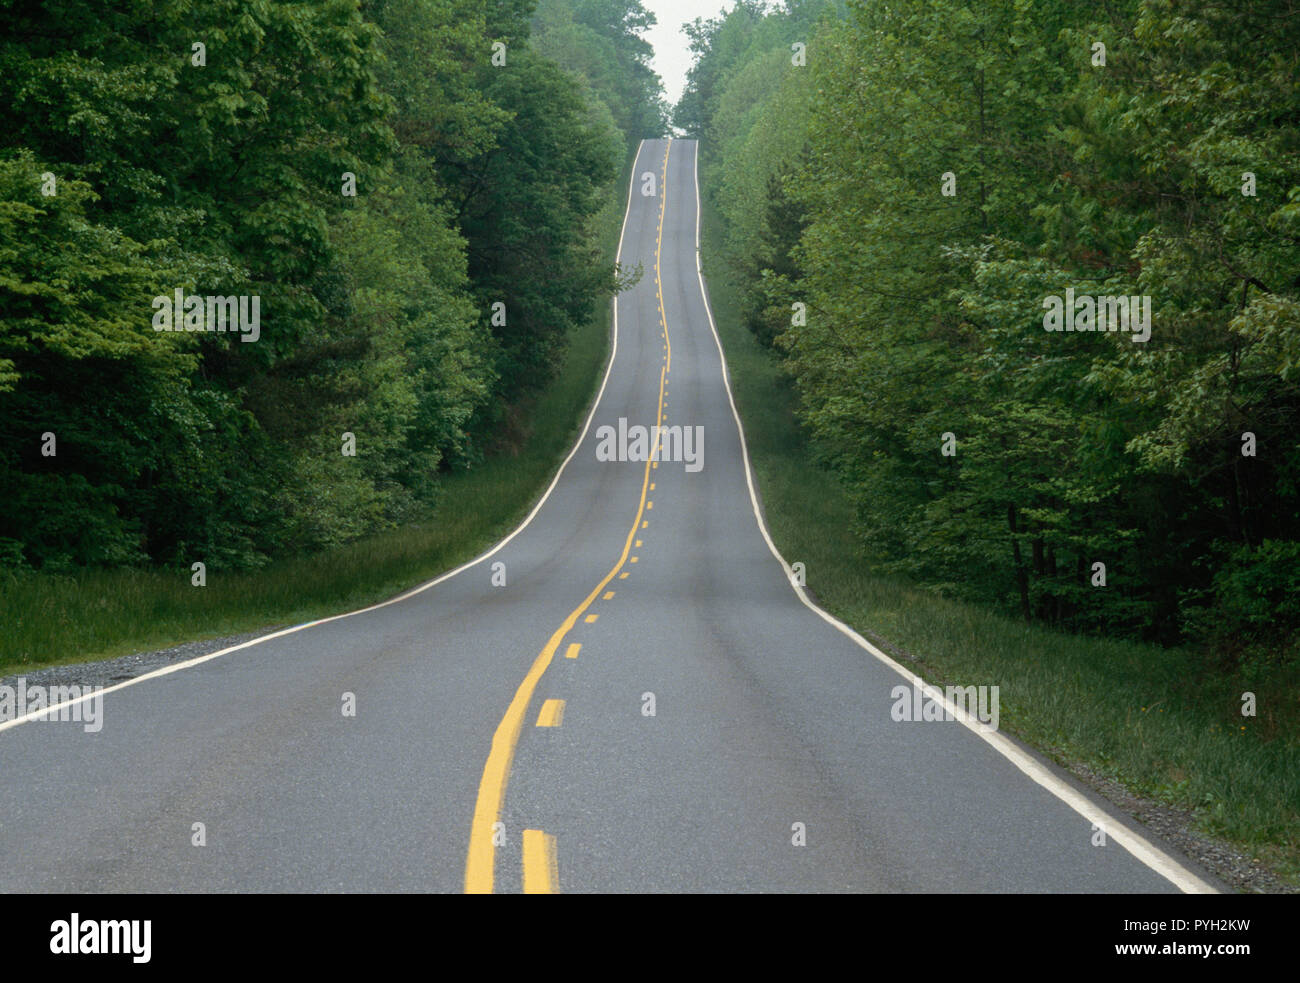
(97, 614)
(1157, 720)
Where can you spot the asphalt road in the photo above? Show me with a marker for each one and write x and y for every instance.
(488, 753)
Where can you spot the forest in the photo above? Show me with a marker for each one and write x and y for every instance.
(401, 193)
(913, 194)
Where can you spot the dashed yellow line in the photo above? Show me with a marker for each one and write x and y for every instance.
(540, 873)
(572, 652)
(591, 618)
(552, 714)
(609, 594)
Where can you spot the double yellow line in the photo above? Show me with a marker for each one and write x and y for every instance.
(540, 871)
(659, 283)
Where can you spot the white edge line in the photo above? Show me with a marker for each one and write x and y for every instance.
(1138, 846)
(43, 714)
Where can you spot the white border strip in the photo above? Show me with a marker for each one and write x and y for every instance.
(1139, 847)
(190, 663)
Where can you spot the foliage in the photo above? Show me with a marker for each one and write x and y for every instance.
(225, 172)
(925, 309)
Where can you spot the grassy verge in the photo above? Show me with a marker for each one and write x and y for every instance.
(1136, 713)
(48, 620)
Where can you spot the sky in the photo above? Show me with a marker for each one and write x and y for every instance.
(672, 56)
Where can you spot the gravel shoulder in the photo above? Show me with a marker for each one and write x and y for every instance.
(109, 672)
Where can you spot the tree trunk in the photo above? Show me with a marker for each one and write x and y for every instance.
(1022, 575)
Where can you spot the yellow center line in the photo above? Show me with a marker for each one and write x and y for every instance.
(480, 862)
(541, 875)
(572, 652)
(552, 714)
(659, 286)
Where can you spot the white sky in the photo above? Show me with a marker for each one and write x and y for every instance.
(672, 57)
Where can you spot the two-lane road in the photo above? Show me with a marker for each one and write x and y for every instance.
(646, 704)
